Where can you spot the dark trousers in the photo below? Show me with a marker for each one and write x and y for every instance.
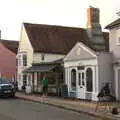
(45, 90)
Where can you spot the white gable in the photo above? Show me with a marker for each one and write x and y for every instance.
(80, 52)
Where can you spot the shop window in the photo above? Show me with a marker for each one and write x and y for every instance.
(79, 79)
(24, 80)
(73, 78)
(83, 79)
(89, 80)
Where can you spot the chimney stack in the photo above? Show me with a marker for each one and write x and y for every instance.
(92, 16)
(94, 29)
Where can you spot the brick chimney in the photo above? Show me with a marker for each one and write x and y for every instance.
(94, 29)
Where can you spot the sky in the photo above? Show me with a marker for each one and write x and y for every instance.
(56, 12)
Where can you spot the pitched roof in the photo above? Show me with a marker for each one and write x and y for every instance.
(55, 39)
(11, 45)
(113, 24)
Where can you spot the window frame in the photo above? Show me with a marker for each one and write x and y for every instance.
(24, 79)
(19, 60)
(73, 78)
(24, 60)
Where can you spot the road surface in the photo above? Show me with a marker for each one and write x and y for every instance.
(15, 109)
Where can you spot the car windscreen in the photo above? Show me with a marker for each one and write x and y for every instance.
(4, 82)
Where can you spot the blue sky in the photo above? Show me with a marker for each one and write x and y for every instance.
(57, 12)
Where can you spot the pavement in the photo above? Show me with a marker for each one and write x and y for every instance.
(76, 105)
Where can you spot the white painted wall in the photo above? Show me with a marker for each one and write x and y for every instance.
(118, 84)
(25, 47)
(80, 51)
(102, 67)
(105, 69)
(37, 57)
(117, 81)
(88, 62)
(114, 47)
(69, 65)
(81, 55)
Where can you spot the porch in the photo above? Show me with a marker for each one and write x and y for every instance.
(34, 76)
(81, 81)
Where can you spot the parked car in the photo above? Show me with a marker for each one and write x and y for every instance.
(7, 88)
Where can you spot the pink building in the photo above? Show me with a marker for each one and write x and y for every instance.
(8, 50)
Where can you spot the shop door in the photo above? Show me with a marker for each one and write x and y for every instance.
(81, 84)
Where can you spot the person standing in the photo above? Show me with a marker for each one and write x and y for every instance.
(45, 86)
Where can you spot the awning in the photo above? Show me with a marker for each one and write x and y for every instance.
(40, 68)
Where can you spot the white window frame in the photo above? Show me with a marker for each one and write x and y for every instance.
(20, 60)
(24, 64)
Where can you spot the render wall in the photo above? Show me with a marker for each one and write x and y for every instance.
(105, 69)
(25, 46)
(7, 63)
(113, 44)
(37, 57)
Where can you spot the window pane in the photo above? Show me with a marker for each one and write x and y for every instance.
(79, 79)
(24, 80)
(83, 83)
(73, 78)
(82, 75)
(89, 79)
(24, 60)
(19, 60)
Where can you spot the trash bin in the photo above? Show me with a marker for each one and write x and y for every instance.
(64, 90)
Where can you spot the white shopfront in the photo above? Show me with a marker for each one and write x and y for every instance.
(85, 72)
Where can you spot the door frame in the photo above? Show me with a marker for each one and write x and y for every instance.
(85, 82)
(81, 83)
